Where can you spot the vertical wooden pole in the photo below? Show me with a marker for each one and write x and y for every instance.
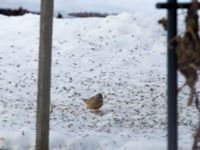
(44, 75)
(172, 79)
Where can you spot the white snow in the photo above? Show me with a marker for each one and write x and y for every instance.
(122, 56)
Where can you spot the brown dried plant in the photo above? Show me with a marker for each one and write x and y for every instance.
(163, 22)
(188, 52)
(196, 138)
(188, 59)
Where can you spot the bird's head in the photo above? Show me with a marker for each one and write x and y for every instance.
(99, 95)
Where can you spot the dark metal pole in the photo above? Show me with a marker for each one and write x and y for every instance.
(44, 75)
(172, 80)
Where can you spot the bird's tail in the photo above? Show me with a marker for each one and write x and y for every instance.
(84, 99)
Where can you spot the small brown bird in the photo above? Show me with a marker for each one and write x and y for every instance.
(94, 102)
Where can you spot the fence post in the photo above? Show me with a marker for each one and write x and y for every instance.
(172, 79)
(44, 75)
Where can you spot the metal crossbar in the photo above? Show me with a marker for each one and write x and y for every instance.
(174, 5)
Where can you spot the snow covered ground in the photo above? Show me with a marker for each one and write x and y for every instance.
(122, 56)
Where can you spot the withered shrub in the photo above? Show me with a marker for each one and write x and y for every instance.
(188, 60)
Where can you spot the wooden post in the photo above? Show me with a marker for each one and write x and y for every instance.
(44, 75)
